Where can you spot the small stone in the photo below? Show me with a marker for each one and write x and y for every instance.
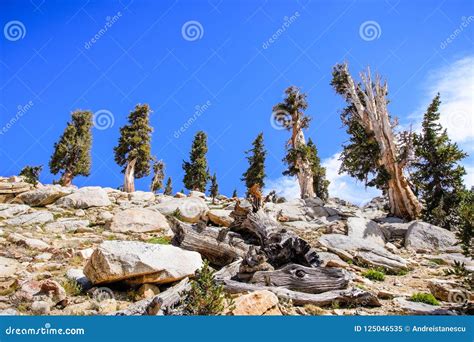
(148, 291)
(40, 307)
(256, 303)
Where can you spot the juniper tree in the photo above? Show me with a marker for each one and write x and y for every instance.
(158, 175)
(196, 173)
(234, 194)
(31, 173)
(133, 151)
(320, 183)
(438, 175)
(214, 188)
(290, 114)
(373, 151)
(255, 173)
(465, 232)
(72, 152)
(168, 187)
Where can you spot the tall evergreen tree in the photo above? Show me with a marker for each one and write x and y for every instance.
(133, 151)
(320, 183)
(290, 114)
(168, 187)
(255, 173)
(158, 175)
(438, 175)
(214, 188)
(72, 152)
(196, 172)
(465, 232)
(234, 194)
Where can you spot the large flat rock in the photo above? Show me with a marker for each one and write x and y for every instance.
(139, 220)
(140, 262)
(422, 236)
(91, 196)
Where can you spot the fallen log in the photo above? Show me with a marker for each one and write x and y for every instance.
(219, 246)
(280, 245)
(350, 297)
(303, 279)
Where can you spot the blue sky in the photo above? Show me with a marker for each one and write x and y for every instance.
(218, 58)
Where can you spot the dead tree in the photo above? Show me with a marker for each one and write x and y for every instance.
(370, 103)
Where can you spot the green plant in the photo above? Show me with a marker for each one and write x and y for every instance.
(161, 240)
(31, 173)
(426, 298)
(458, 270)
(372, 274)
(177, 214)
(205, 297)
(72, 287)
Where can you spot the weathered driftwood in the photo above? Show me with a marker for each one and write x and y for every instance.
(303, 279)
(158, 304)
(219, 246)
(279, 245)
(349, 297)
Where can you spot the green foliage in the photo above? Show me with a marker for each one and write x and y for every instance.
(196, 173)
(72, 287)
(372, 274)
(135, 141)
(161, 240)
(205, 297)
(234, 194)
(169, 187)
(320, 183)
(438, 175)
(158, 175)
(31, 173)
(360, 154)
(465, 233)
(72, 151)
(214, 188)
(426, 298)
(255, 173)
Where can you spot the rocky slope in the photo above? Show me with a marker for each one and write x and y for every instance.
(93, 250)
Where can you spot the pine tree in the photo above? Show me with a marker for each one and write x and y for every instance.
(290, 114)
(214, 188)
(31, 174)
(465, 232)
(320, 183)
(168, 187)
(438, 175)
(234, 194)
(72, 152)
(255, 173)
(133, 151)
(196, 173)
(158, 175)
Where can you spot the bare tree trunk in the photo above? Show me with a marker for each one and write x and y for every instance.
(66, 178)
(304, 175)
(374, 117)
(129, 178)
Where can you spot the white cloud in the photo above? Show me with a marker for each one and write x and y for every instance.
(455, 83)
(342, 186)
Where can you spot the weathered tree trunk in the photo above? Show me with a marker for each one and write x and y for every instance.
(129, 178)
(219, 246)
(279, 245)
(303, 279)
(66, 178)
(305, 174)
(349, 297)
(374, 117)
